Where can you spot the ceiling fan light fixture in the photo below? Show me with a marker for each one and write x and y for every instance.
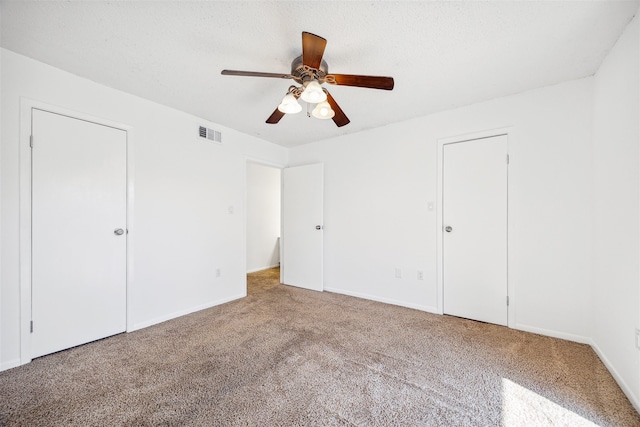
(313, 93)
(309, 70)
(323, 111)
(289, 104)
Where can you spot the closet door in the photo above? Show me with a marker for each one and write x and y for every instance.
(78, 232)
(475, 229)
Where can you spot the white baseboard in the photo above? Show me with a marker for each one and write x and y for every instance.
(255, 270)
(421, 307)
(10, 364)
(551, 333)
(635, 401)
(173, 315)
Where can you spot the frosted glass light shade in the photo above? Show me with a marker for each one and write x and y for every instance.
(289, 105)
(313, 93)
(323, 111)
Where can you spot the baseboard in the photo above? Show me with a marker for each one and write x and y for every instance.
(426, 308)
(10, 364)
(551, 333)
(635, 401)
(255, 270)
(173, 315)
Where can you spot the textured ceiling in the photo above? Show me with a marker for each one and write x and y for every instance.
(441, 54)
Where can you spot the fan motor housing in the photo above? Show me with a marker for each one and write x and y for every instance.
(302, 73)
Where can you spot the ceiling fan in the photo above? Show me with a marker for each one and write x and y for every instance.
(310, 71)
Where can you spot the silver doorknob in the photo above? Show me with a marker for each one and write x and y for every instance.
(318, 227)
(118, 231)
(448, 229)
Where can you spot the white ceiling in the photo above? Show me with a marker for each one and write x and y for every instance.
(442, 54)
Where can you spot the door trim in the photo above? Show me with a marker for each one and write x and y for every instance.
(511, 316)
(24, 229)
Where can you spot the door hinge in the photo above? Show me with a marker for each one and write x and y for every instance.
(507, 300)
(31, 141)
(31, 327)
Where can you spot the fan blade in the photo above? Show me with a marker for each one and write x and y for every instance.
(255, 74)
(275, 117)
(340, 119)
(373, 82)
(312, 49)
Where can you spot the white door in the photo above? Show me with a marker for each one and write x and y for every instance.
(475, 229)
(78, 253)
(302, 234)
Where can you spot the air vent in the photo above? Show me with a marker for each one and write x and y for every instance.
(210, 134)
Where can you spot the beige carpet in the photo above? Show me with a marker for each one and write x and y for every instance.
(287, 356)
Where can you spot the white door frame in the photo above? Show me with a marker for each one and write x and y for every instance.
(26, 107)
(439, 215)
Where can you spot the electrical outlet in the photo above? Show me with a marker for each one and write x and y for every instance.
(420, 275)
(398, 273)
(218, 272)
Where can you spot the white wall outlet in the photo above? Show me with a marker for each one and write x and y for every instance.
(398, 273)
(231, 209)
(218, 272)
(420, 275)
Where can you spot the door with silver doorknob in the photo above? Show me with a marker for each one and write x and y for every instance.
(475, 256)
(79, 244)
(302, 212)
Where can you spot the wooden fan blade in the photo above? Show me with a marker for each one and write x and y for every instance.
(312, 49)
(373, 82)
(340, 119)
(275, 117)
(255, 74)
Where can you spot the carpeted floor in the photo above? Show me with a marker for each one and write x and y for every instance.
(288, 356)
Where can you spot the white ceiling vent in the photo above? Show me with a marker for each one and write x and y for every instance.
(210, 134)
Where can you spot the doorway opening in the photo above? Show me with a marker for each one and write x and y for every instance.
(264, 195)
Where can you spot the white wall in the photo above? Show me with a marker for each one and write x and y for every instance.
(617, 211)
(182, 226)
(263, 217)
(378, 184)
